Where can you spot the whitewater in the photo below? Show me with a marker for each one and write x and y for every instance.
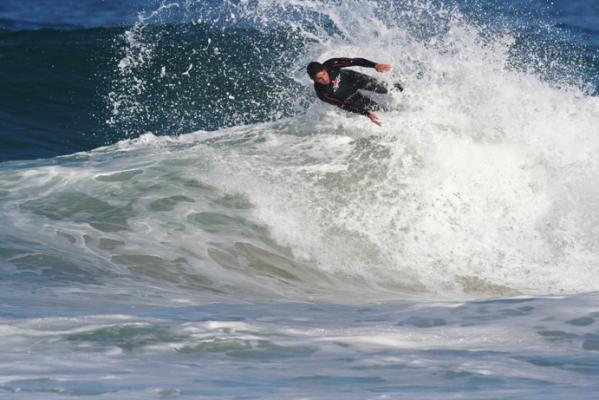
(451, 253)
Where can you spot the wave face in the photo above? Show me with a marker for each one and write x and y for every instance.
(480, 182)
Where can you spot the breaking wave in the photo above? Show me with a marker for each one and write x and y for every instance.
(480, 182)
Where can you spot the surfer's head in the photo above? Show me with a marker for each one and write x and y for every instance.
(318, 73)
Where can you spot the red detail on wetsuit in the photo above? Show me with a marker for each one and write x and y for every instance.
(340, 101)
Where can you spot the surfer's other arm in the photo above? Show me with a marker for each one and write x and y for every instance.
(358, 104)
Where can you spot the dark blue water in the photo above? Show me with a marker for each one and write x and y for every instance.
(59, 64)
(62, 14)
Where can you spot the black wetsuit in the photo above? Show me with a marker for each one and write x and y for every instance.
(342, 90)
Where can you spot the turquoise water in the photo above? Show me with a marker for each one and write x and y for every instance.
(180, 218)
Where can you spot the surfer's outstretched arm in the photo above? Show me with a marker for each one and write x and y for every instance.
(343, 62)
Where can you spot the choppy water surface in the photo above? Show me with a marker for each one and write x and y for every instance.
(236, 239)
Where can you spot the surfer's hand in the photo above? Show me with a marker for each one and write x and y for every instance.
(382, 67)
(375, 119)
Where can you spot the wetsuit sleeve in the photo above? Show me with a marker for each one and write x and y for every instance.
(345, 104)
(343, 62)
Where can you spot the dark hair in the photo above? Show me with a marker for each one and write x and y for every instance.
(314, 68)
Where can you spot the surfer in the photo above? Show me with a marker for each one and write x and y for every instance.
(340, 87)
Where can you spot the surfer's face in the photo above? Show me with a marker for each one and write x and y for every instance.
(322, 77)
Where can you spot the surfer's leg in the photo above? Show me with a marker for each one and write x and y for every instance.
(369, 83)
(374, 86)
(366, 103)
(366, 82)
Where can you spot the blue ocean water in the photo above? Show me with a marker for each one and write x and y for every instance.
(181, 218)
(60, 63)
